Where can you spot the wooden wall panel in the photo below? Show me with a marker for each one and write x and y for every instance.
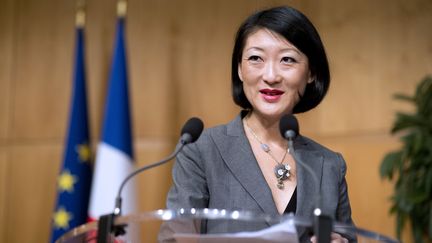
(203, 69)
(32, 181)
(151, 40)
(43, 68)
(376, 49)
(7, 22)
(153, 185)
(179, 66)
(4, 189)
(99, 30)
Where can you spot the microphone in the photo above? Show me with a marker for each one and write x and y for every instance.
(189, 134)
(191, 130)
(289, 129)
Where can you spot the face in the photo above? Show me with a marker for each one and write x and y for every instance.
(273, 72)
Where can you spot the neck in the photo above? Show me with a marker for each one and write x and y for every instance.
(266, 129)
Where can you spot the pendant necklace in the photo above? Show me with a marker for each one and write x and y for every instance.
(282, 171)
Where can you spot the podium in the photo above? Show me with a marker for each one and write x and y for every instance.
(211, 226)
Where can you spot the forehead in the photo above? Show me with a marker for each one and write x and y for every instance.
(265, 38)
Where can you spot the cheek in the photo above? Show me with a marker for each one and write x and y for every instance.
(249, 79)
(302, 88)
(300, 81)
(247, 89)
(247, 73)
(296, 89)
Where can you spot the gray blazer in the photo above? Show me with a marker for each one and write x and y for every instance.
(220, 171)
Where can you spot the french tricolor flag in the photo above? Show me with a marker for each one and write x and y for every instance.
(114, 155)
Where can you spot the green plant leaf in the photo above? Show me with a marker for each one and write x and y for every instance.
(416, 197)
(405, 98)
(400, 223)
(390, 163)
(411, 166)
(430, 221)
(423, 96)
(405, 121)
(429, 182)
(417, 231)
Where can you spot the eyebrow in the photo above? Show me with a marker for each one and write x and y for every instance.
(282, 50)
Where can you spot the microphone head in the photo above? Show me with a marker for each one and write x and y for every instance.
(191, 130)
(288, 126)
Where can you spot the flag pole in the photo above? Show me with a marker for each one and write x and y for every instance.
(80, 15)
(121, 8)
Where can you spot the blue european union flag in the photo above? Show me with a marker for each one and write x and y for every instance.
(74, 180)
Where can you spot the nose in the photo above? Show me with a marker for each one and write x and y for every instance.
(271, 73)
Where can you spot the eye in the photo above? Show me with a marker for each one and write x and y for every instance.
(288, 60)
(254, 58)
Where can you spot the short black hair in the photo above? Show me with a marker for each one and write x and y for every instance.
(299, 31)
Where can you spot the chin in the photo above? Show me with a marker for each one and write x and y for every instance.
(273, 110)
(272, 114)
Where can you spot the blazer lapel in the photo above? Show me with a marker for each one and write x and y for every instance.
(306, 185)
(238, 156)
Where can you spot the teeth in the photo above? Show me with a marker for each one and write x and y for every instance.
(271, 92)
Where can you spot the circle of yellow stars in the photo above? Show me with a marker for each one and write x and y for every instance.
(66, 182)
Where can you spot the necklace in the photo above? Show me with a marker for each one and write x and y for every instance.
(282, 171)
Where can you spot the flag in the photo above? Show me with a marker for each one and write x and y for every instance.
(114, 156)
(74, 180)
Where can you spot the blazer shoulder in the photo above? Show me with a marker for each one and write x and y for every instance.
(325, 151)
(315, 145)
(233, 128)
(211, 132)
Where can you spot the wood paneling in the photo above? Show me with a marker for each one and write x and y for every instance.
(153, 184)
(99, 31)
(7, 23)
(4, 189)
(32, 181)
(42, 68)
(179, 66)
(151, 39)
(376, 49)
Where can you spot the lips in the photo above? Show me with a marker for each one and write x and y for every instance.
(271, 95)
(271, 92)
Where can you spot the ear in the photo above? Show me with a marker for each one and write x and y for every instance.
(239, 71)
(311, 78)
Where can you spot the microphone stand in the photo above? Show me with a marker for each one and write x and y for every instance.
(106, 226)
(189, 134)
(322, 224)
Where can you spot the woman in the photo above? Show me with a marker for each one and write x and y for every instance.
(279, 67)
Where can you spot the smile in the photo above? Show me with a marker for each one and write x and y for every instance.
(271, 95)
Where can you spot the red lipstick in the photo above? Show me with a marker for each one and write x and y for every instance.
(271, 95)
